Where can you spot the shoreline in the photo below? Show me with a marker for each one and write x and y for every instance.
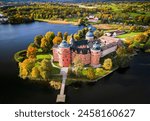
(57, 21)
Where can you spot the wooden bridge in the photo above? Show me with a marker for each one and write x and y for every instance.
(61, 97)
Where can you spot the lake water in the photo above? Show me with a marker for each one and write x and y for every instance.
(129, 86)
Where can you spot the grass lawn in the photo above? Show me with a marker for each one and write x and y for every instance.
(43, 56)
(128, 35)
(55, 70)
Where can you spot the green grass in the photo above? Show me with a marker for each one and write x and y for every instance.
(43, 56)
(20, 56)
(55, 71)
(128, 35)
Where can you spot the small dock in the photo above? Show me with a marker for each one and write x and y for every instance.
(61, 97)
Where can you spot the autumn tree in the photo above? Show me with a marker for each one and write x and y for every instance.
(26, 67)
(80, 33)
(107, 64)
(59, 34)
(99, 72)
(45, 44)
(50, 36)
(65, 35)
(46, 65)
(37, 40)
(57, 40)
(68, 39)
(141, 38)
(45, 69)
(123, 58)
(129, 40)
(35, 73)
(90, 73)
(31, 52)
(76, 37)
(78, 65)
(98, 33)
(133, 29)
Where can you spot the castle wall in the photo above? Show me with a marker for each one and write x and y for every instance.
(85, 58)
(95, 57)
(64, 57)
(55, 54)
(109, 50)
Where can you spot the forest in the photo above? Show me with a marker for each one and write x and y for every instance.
(135, 13)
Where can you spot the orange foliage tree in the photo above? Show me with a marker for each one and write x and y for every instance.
(57, 40)
(31, 52)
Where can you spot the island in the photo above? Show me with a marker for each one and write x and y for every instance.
(112, 35)
(84, 56)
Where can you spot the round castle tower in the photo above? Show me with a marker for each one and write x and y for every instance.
(64, 54)
(95, 55)
(89, 35)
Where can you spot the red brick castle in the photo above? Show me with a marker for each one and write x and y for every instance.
(89, 50)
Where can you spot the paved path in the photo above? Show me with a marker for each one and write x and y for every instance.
(61, 97)
(53, 63)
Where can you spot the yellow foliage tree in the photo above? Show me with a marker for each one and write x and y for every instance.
(35, 72)
(26, 67)
(140, 38)
(76, 37)
(68, 39)
(129, 40)
(45, 44)
(107, 64)
(90, 73)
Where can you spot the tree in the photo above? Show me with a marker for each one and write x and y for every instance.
(107, 64)
(147, 45)
(78, 65)
(45, 75)
(35, 72)
(57, 40)
(133, 29)
(31, 52)
(140, 38)
(121, 51)
(68, 39)
(98, 33)
(45, 69)
(65, 35)
(26, 67)
(123, 58)
(129, 40)
(45, 44)
(37, 40)
(76, 37)
(90, 73)
(99, 72)
(50, 36)
(80, 33)
(59, 34)
(46, 65)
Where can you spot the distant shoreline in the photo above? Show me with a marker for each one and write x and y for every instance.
(57, 21)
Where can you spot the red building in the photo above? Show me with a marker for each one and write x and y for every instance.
(89, 52)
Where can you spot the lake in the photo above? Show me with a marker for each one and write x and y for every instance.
(131, 85)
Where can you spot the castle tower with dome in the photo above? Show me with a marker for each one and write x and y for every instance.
(64, 54)
(95, 55)
(89, 35)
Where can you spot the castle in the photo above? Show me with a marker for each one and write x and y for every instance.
(89, 50)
